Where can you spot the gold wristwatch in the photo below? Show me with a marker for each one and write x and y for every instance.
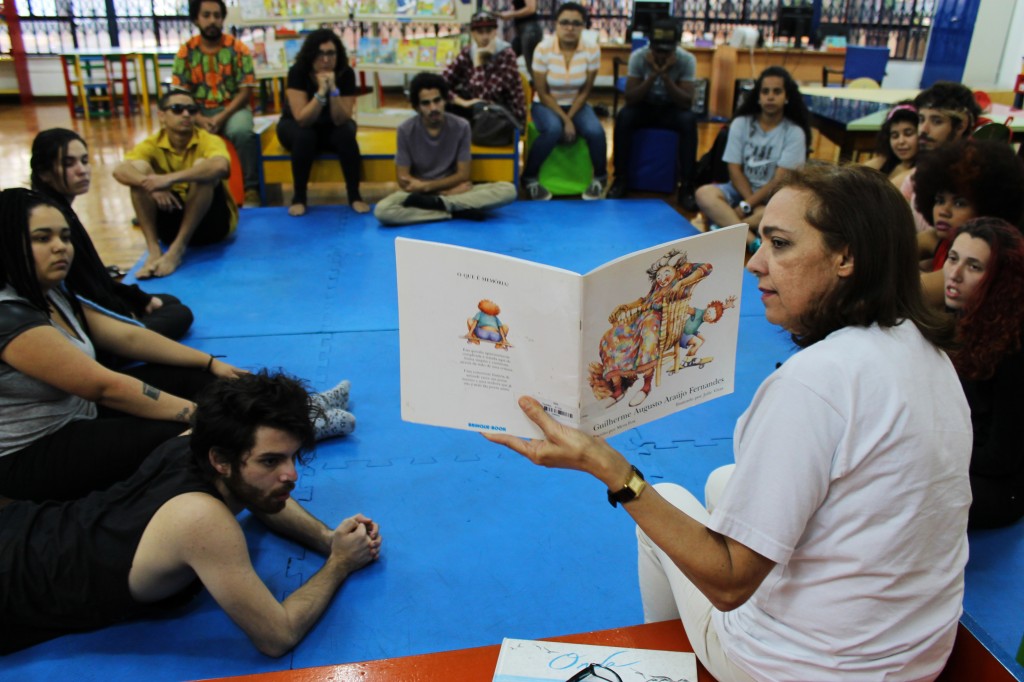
(630, 491)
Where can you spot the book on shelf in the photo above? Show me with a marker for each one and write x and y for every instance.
(369, 50)
(425, 7)
(385, 6)
(447, 50)
(388, 50)
(445, 8)
(643, 336)
(366, 6)
(405, 7)
(526, 660)
(406, 53)
(426, 51)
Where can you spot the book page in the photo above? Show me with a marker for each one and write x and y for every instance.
(524, 660)
(660, 328)
(477, 330)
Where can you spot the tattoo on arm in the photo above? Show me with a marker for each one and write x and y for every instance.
(150, 392)
(184, 415)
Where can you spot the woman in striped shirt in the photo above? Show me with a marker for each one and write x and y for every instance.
(564, 69)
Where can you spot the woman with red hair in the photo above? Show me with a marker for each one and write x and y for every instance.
(984, 276)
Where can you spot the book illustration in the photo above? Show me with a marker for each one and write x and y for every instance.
(385, 6)
(405, 7)
(672, 348)
(367, 6)
(444, 8)
(426, 52)
(658, 326)
(486, 326)
(523, 660)
(425, 7)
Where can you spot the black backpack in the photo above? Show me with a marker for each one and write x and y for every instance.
(711, 169)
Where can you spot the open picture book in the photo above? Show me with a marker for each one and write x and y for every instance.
(646, 335)
(526, 660)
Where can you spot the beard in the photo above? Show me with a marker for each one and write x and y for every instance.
(254, 498)
(212, 33)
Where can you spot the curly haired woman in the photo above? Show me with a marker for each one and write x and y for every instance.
(984, 275)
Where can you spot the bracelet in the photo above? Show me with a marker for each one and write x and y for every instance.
(335, 92)
(209, 363)
(320, 98)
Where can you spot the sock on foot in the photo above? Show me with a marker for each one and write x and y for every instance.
(334, 423)
(335, 398)
(470, 214)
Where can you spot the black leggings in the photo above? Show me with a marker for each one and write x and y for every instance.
(92, 454)
(305, 144)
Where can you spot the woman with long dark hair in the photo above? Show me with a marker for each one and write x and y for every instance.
(768, 138)
(69, 425)
(61, 172)
(984, 276)
(320, 99)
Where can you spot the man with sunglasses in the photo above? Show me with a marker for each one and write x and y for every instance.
(659, 94)
(433, 164)
(217, 69)
(178, 178)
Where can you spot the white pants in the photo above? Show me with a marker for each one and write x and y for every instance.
(667, 594)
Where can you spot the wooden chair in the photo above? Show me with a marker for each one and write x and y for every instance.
(674, 314)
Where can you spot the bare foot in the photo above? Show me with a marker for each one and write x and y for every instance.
(167, 265)
(146, 271)
(297, 210)
(360, 207)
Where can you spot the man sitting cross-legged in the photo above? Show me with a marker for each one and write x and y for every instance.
(149, 543)
(178, 179)
(433, 161)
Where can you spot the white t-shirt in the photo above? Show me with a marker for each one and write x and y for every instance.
(760, 152)
(851, 475)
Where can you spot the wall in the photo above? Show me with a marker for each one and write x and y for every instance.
(994, 58)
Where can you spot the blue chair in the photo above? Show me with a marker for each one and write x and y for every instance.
(861, 62)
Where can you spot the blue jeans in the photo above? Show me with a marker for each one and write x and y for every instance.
(549, 134)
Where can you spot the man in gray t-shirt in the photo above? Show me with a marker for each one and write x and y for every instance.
(433, 164)
(659, 94)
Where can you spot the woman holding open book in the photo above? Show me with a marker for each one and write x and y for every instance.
(834, 549)
(320, 100)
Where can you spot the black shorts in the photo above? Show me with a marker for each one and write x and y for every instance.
(213, 228)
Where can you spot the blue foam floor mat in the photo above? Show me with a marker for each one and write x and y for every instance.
(479, 544)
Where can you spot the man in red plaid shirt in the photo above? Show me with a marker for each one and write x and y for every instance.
(485, 72)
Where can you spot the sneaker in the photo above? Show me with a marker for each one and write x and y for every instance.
(686, 199)
(595, 191)
(537, 192)
(252, 198)
(618, 189)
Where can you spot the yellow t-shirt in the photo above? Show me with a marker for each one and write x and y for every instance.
(156, 150)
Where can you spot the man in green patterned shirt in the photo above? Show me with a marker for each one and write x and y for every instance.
(217, 70)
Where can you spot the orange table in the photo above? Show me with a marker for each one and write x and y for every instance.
(969, 662)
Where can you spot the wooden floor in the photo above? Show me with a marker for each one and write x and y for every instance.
(106, 210)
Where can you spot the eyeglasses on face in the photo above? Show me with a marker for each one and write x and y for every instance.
(574, 23)
(179, 109)
(326, 54)
(595, 671)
